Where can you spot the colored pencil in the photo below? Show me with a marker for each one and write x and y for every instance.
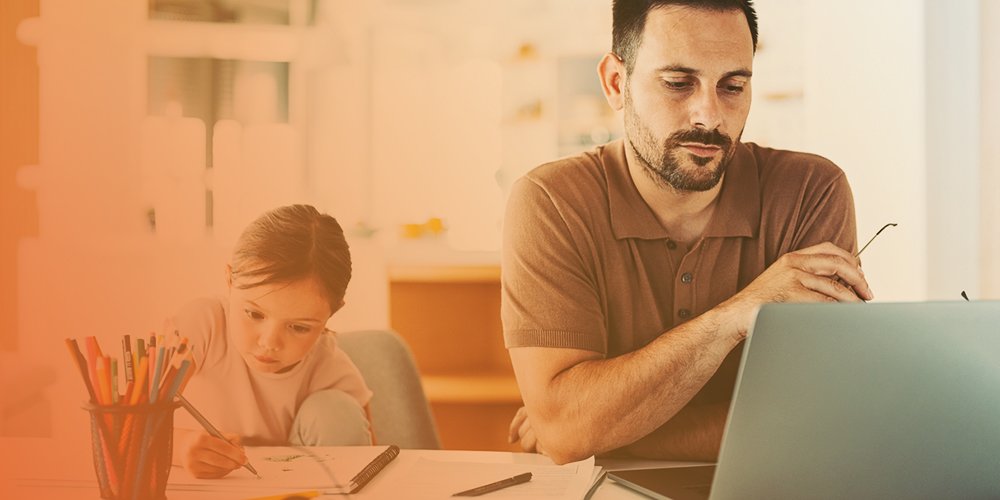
(127, 358)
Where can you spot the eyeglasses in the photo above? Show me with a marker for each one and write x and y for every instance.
(873, 237)
(964, 295)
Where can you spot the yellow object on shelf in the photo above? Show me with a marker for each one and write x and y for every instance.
(445, 274)
(433, 226)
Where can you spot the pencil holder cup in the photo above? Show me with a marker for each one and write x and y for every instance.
(132, 447)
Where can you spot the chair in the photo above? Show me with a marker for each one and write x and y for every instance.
(400, 413)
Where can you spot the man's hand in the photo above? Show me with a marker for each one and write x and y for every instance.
(206, 456)
(521, 431)
(820, 273)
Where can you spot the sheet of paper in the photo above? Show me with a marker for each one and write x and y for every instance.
(289, 468)
(430, 478)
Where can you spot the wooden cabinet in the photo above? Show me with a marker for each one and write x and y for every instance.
(450, 316)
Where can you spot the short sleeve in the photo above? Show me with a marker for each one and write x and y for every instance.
(201, 321)
(335, 370)
(549, 292)
(828, 213)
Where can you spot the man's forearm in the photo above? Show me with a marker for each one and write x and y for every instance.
(603, 404)
(695, 434)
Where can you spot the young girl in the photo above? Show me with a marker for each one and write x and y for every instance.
(268, 370)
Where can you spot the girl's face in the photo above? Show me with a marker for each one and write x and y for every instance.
(273, 326)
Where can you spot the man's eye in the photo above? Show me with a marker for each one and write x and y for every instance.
(675, 85)
(254, 314)
(733, 89)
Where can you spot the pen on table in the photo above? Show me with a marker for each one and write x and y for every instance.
(499, 485)
(209, 427)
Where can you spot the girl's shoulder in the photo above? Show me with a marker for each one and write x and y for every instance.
(203, 322)
(326, 352)
(201, 314)
(331, 367)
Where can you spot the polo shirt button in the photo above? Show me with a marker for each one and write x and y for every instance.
(687, 278)
(684, 314)
(671, 245)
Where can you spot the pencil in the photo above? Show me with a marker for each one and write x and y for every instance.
(140, 381)
(209, 427)
(499, 485)
(127, 359)
(114, 381)
(103, 380)
(81, 365)
(95, 399)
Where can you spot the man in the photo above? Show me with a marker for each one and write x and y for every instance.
(632, 273)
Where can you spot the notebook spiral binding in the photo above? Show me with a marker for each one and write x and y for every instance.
(372, 469)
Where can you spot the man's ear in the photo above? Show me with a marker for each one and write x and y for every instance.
(611, 71)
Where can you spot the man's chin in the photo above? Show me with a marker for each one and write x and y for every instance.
(695, 179)
(698, 186)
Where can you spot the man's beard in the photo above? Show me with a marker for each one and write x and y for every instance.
(665, 164)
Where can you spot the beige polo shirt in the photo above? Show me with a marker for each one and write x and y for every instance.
(587, 265)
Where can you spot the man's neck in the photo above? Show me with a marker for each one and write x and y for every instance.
(684, 214)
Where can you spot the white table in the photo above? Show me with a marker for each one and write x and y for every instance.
(26, 457)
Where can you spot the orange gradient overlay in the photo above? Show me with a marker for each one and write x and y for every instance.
(138, 138)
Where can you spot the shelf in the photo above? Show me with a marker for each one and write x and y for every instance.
(478, 389)
(444, 274)
(257, 42)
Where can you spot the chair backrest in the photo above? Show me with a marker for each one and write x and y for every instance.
(400, 413)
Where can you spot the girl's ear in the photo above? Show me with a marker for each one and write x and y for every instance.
(229, 277)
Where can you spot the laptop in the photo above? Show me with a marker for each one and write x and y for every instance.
(885, 400)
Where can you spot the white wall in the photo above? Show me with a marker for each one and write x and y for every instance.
(952, 148)
(865, 109)
(989, 57)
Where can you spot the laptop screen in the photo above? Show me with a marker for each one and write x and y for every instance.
(866, 400)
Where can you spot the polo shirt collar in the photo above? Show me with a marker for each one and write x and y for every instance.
(737, 214)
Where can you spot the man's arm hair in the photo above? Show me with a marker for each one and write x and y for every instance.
(581, 405)
(693, 434)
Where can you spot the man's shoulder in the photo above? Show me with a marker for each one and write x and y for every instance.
(581, 171)
(782, 165)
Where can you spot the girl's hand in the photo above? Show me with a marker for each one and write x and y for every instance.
(206, 456)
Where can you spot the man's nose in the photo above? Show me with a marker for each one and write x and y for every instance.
(704, 109)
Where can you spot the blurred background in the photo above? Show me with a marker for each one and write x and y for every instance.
(138, 138)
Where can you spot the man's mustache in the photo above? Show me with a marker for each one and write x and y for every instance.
(710, 137)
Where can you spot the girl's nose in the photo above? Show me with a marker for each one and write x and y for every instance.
(270, 338)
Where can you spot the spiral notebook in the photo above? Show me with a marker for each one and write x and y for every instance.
(331, 470)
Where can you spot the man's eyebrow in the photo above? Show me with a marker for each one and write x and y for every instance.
(677, 68)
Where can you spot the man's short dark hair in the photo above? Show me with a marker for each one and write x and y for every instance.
(629, 20)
